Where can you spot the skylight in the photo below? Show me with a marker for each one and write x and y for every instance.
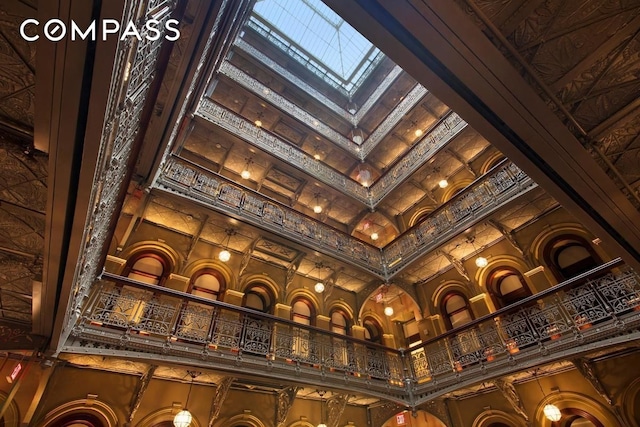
(318, 38)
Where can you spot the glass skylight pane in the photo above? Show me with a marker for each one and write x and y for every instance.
(319, 37)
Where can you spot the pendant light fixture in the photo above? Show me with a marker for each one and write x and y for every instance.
(321, 393)
(184, 417)
(224, 254)
(551, 411)
(317, 208)
(319, 287)
(246, 172)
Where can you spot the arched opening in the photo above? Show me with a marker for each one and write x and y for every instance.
(78, 420)
(456, 310)
(569, 255)
(302, 311)
(506, 286)
(372, 330)
(340, 322)
(148, 267)
(208, 283)
(259, 297)
(573, 417)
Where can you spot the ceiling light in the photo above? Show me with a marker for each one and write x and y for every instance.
(374, 236)
(319, 287)
(356, 136)
(316, 156)
(418, 132)
(388, 311)
(258, 123)
(182, 419)
(224, 255)
(552, 412)
(443, 183)
(363, 177)
(246, 172)
(481, 262)
(317, 208)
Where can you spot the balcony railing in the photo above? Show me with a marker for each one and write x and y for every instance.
(132, 315)
(596, 309)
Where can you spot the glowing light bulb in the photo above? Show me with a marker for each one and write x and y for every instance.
(258, 123)
(245, 174)
(317, 208)
(374, 236)
(224, 255)
(319, 287)
(443, 183)
(481, 262)
(388, 311)
(418, 132)
(552, 412)
(182, 419)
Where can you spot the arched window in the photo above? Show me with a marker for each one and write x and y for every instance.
(456, 310)
(569, 256)
(340, 322)
(303, 312)
(372, 330)
(148, 267)
(78, 420)
(259, 297)
(573, 417)
(506, 286)
(208, 283)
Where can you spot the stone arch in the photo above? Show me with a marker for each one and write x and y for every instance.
(163, 415)
(11, 417)
(306, 294)
(421, 419)
(419, 214)
(536, 249)
(219, 266)
(92, 407)
(491, 161)
(631, 402)
(265, 280)
(175, 260)
(454, 188)
(445, 288)
(571, 400)
(240, 420)
(488, 417)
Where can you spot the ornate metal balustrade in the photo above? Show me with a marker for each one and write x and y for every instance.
(434, 140)
(203, 186)
(123, 314)
(280, 149)
(502, 184)
(490, 192)
(594, 310)
(438, 137)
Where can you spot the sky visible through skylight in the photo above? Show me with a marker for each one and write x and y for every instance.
(325, 36)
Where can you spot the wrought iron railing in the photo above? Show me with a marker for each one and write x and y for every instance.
(134, 315)
(601, 305)
(596, 309)
(504, 183)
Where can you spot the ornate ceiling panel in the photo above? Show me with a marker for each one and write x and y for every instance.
(17, 68)
(583, 58)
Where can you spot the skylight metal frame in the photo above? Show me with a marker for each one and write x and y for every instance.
(348, 85)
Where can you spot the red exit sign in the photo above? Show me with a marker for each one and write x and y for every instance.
(14, 374)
